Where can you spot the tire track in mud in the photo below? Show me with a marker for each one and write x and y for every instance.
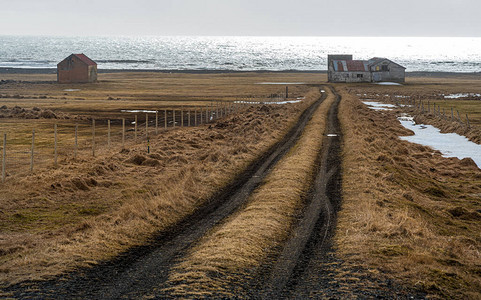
(313, 232)
(140, 270)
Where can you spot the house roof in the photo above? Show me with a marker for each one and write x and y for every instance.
(359, 65)
(351, 66)
(85, 59)
(377, 60)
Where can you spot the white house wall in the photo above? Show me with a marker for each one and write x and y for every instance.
(349, 77)
(395, 73)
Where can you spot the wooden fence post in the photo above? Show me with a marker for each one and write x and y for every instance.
(55, 142)
(452, 115)
(459, 118)
(165, 119)
(147, 125)
(108, 133)
(93, 137)
(173, 118)
(201, 115)
(181, 116)
(76, 142)
(135, 128)
(467, 121)
(188, 118)
(123, 132)
(32, 151)
(156, 122)
(4, 157)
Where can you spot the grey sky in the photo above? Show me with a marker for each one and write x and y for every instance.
(242, 17)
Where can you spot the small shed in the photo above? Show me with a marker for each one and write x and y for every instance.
(77, 68)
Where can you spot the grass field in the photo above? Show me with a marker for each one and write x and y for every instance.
(408, 213)
(85, 210)
(77, 104)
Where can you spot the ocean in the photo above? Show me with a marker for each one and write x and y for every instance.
(436, 54)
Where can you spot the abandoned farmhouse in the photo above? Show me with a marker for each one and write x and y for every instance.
(342, 68)
(77, 68)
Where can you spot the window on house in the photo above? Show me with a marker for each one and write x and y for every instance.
(360, 75)
(385, 68)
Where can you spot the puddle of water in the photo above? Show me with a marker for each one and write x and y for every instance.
(388, 83)
(405, 117)
(461, 95)
(279, 102)
(139, 111)
(449, 144)
(283, 83)
(379, 106)
(72, 90)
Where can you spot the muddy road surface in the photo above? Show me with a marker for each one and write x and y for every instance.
(314, 230)
(307, 266)
(137, 272)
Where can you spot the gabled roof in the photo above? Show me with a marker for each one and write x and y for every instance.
(377, 60)
(85, 59)
(359, 65)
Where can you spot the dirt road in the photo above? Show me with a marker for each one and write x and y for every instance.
(316, 226)
(137, 272)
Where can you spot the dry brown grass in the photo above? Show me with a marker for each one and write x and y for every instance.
(128, 91)
(229, 254)
(58, 219)
(407, 212)
(145, 90)
(431, 90)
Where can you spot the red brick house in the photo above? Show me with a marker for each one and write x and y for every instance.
(77, 68)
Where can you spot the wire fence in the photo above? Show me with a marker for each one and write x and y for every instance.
(52, 143)
(428, 107)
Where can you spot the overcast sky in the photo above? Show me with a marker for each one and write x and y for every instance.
(242, 17)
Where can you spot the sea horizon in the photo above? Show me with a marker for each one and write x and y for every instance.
(239, 53)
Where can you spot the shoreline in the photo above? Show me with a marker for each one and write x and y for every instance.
(224, 71)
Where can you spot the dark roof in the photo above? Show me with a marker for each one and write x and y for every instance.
(350, 66)
(85, 59)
